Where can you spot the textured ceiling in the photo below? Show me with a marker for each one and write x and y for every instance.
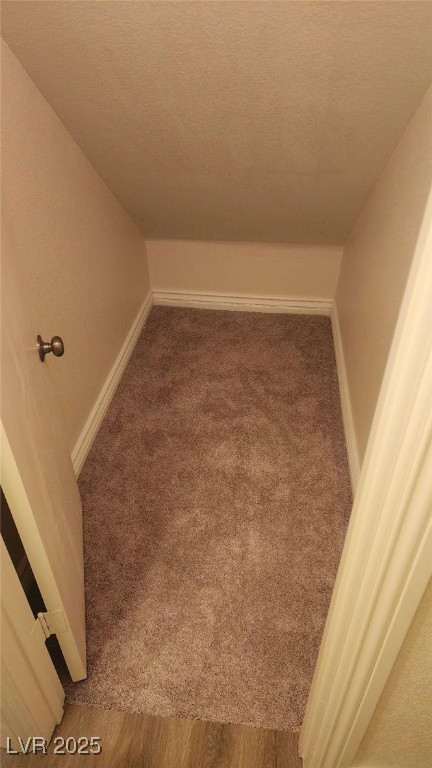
(265, 121)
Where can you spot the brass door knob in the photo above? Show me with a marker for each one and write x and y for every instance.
(55, 346)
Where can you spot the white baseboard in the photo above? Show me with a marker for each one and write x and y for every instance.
(228, 302)
(348, 421)
(243, 303)
(88, 434)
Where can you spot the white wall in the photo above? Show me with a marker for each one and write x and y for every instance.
(376, 263)
(80, 254)
(400, 732)
(254, 269)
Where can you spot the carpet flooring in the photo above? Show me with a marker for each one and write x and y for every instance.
(216, 499)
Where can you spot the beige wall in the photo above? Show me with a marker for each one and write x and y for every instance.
(79, 251)
(256, 269)
(376, 263)
(400, 732)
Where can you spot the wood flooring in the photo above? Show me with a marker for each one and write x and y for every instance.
(143, 741)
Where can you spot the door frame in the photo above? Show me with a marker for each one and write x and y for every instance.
(386, 563)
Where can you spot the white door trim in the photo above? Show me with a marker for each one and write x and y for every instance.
(386, 562)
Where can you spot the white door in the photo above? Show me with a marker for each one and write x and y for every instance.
(31, 694)
(38, 479)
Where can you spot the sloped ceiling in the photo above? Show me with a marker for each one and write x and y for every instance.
(257, 121)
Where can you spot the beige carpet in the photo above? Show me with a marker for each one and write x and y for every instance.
(216, 499)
